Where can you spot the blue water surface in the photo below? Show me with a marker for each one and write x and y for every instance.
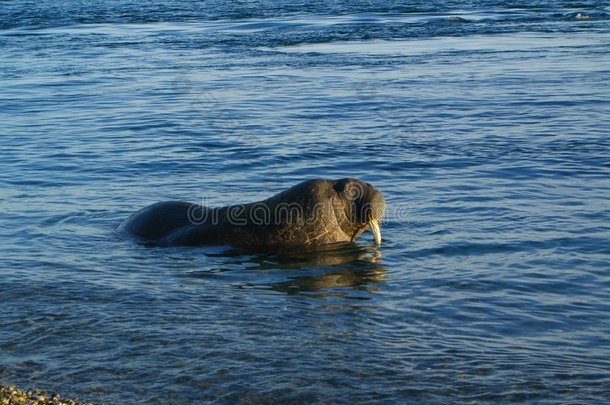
(485, 124)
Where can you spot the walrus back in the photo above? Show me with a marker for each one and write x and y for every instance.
(158, 220)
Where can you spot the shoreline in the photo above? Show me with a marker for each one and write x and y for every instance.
(11, 395)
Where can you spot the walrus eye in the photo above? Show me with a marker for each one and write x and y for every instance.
(350, 191)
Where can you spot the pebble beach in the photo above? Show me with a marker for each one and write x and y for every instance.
(11, 395)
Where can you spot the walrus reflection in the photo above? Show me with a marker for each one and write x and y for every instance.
(302, 257)
(313, 213)
(328, 283)
(318, 272)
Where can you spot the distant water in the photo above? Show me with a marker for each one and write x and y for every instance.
(485, 124)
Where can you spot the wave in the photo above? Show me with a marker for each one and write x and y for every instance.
(277, 26)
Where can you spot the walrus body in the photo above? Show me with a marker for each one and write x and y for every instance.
(314, 212)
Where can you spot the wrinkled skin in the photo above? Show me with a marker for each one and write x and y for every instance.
(312, 213)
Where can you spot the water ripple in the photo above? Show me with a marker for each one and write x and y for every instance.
(485, 126)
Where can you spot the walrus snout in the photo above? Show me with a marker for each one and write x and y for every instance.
(365, 204)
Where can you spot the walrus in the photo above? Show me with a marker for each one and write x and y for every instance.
(312, 213)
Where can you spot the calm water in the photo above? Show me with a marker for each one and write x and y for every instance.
(485, 124)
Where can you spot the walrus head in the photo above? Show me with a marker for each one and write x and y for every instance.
(363, 205)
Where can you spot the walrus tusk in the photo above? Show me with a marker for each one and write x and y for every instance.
(374, 224)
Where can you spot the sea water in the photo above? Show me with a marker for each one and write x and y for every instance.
(485, 124)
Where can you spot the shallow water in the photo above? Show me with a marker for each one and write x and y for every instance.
(485, 125)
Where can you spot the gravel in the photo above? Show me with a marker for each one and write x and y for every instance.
(11, 395)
